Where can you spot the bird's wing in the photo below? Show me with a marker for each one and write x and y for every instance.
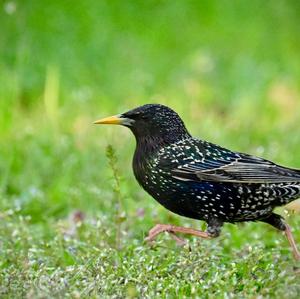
(222, 165)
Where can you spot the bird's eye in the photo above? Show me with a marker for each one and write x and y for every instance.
(135, 115)
(139, 115)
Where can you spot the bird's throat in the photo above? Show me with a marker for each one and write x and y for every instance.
(145, 149)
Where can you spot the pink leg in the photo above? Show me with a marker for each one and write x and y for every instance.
(159, 228)
(292, 242)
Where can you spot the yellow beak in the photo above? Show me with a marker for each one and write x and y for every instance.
(112, 120)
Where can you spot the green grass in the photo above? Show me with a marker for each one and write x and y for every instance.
(231, 69)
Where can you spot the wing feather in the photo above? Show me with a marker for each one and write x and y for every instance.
(235, 168)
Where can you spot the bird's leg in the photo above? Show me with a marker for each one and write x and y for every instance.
(172, 229)
(213, 230)
(278, 222)
(292, 242)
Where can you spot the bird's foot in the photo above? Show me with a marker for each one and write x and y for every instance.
(157, 229)
(172, 229)
(292, 242)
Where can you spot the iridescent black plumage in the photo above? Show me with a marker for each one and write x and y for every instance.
(200, 180)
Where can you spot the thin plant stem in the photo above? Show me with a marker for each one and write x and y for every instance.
(112, 162)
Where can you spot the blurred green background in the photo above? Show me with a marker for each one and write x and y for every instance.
(231, 69)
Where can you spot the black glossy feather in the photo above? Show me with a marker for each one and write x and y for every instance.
(226, 166)
(201, 180)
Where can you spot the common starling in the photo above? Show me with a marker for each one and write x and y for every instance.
(200, 180)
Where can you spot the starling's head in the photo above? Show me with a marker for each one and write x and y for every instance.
(151, 120)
